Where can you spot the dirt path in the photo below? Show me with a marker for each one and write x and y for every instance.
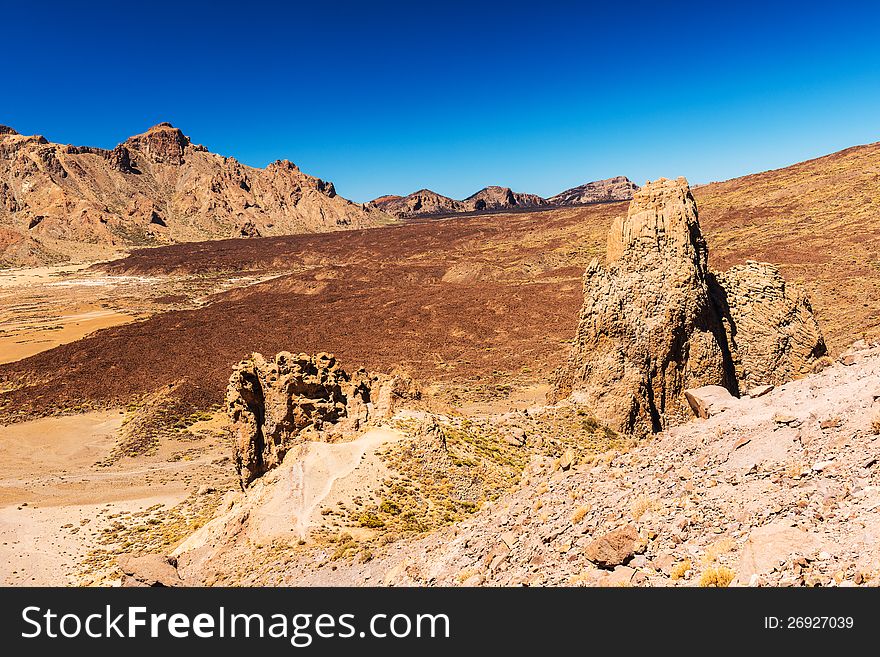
(332, 472)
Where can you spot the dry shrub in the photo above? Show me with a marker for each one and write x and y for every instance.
(718, 548)
(579, 514)
(720, 577)
(680, 569)
(641, 504)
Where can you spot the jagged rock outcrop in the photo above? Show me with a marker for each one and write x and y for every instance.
(656, 322)
(59, 202)
(647, 328)
(619, 188)
(274, 404)
(770, 324)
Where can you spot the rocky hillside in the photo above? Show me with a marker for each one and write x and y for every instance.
(60, 202)
(421, 203)
(619, 188)
(502, 198)
(425, 203)
(781, 489)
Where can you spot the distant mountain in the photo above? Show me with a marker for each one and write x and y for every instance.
(422, 202)
(60, 202)
(425, 203)
(501, 198)
(619, 188)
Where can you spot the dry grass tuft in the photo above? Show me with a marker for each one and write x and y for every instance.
(641, 505)
(719, 577)
(680, 569)
(579, 514)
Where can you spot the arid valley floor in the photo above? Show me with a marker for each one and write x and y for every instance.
(115, 436)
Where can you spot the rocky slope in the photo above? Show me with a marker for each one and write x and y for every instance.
(619, 188)
(60, 202)
(776, 489)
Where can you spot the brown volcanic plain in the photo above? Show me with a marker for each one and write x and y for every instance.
(479, 305)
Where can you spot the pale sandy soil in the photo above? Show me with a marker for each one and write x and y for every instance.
(332, 473)
(43, 307)
(55, 500)
(520, 398)
(284, 506)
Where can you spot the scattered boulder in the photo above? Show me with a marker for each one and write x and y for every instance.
(567, 459)
(760, 391)
(615, 548)
(148, 570)
(709, 400)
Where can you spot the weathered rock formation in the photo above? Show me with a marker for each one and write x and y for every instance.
(59, 201)
(619, 188)
(656, 322)
(770, 324)
(274, 404)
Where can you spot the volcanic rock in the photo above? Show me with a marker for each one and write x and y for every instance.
(647, 329)
(274, 404)
(709, 400)
(615, 548)
(771, 328)
(421, 203)
(425, 203)
(655, 322)
(501, 198)
(148, 570)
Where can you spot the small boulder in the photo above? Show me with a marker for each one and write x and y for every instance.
(148, 570)
(615, 548)
(770, 544)
(567, 459)
(709, 400)
(760, 391)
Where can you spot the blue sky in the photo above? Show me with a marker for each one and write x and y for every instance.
(384, 97)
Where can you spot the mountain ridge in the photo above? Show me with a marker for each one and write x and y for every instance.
(60, 202)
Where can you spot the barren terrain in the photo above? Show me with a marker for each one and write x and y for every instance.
(125, 363)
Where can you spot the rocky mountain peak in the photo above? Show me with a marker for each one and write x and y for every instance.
(161, 143)
(618, 188)
(6, 130)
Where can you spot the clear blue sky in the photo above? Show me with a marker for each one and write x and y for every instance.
(384, 97)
